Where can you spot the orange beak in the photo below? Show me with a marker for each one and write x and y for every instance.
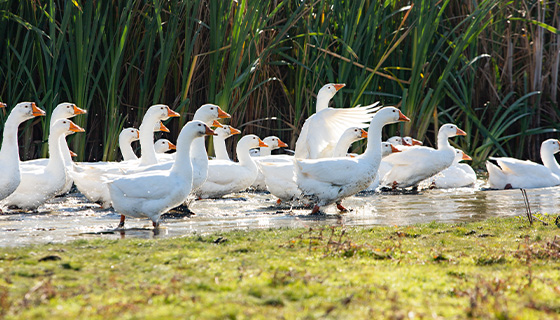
(282, 144)
(404, 143)
(416, 142)
(75, 128)
(466, 157)
(402, 117)
(36, 111)
(394, 149)
(364, 134)
(171, 113)
(461, 132)
(262, 144)
(73, 154)
(209, 131)
(217, 124)
(222, 114)
(78, 110)
(232, 130)
(138, 134)
(163, 128)
(339, 86)
(3, 105)
(172, 146)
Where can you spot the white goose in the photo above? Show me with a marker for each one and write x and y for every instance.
(63, 110)
(514, 173)
(321, 131)
(418, 163)
(327, 181)
(51, 179)
(9, 154)
(152, 193)
(222, 133)
(225, 177)
(458, 175)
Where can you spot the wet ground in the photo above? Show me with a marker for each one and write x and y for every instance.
(73, 217)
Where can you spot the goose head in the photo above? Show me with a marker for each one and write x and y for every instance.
(388, 115)
(207, 113)
(65, 126)
(129, 135)
(326, 93)
(274, 142)
(164, 145)
(551, 146)
(27, 110)
(387, 148)
(329, 90)
(450, 130)
(161, 112)
(249, 142)
(353, 134)
(225, 131)
(411, 141)
(66, 110)
(198, 129)
(460, 156)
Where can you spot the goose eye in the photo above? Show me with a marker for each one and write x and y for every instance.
(212, 108)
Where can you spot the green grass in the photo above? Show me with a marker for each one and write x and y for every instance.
(499, 268)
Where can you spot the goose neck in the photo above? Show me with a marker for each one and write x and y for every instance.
(66, 157)
(56, 162)
(549, 161)
(220, 148)
(265, 151)
(322, 102)
(147, 142)
(342, 146)
(182, 165)
(244, 156)
(10, 148)
(126, 149)
(443, 141)
(373, 149)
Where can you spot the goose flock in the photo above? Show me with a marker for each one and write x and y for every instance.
(321, 172)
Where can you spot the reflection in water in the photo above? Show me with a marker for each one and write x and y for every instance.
(72, 217)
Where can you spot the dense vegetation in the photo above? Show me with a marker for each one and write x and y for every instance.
(490, 66)
(496, 269)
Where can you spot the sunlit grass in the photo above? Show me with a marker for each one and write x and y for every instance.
(499, 268)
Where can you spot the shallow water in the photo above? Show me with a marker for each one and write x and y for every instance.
(73, 217)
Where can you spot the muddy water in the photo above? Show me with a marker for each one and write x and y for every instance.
(73, 217)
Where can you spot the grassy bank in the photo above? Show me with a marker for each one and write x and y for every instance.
(500, 268)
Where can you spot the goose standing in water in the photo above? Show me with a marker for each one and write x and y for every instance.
(152, 193)
(327, 181)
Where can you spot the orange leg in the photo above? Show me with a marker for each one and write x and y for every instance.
(121, 224)
(340, 207)
(278, 202)
(315, 209)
